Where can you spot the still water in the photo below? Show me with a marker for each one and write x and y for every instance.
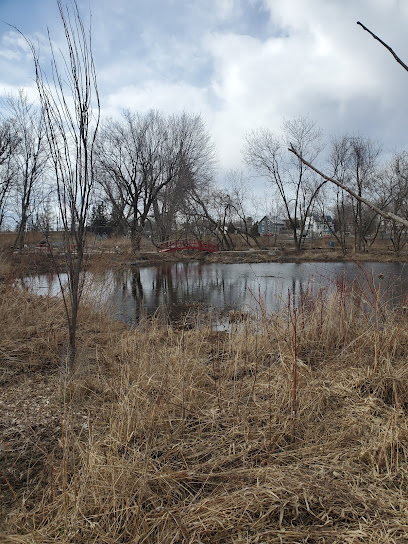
(182, 289)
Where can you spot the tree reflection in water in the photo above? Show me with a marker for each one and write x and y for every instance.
(185, 288)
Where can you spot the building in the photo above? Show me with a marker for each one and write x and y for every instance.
(268, 226)
(317, 225)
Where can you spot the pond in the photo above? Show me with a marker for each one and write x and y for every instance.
(182, 289)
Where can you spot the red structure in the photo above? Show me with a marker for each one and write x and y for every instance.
(178, 245)
(43, 247)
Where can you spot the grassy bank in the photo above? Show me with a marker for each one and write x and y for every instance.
(291, 430)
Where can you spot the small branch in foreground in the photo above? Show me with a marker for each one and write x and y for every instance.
(396, 57)
(387, 215)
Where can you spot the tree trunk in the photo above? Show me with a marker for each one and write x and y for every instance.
(72, 339)
(136, 238)
(162, 234)
(297, 240)
(20, 239)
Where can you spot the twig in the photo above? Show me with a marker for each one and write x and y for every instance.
(9, 486)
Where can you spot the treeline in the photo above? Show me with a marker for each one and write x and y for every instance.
(155, 174)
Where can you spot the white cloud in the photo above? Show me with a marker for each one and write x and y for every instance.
(12, 90)
(242, 64)
(152, 94)
(321, 64)
(225, 8)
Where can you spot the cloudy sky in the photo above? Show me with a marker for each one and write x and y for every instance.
(241, 64)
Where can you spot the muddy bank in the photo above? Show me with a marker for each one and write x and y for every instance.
(17, 264)
(307, 255)
(147, 258)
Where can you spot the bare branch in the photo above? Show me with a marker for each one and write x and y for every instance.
(387, 215)
(396, 57)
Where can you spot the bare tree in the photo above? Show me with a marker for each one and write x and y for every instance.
(383, 212)
(342, 211)
(240, 199)
(194, 172)
(353, 160)
(30, 160)
(8, 147)
(210, 212)
(296, 185)
(43, 218)
(70, 104)
(146, 162)
(394, 196)
(361, 158)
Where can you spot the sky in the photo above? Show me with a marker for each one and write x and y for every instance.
(241, 64)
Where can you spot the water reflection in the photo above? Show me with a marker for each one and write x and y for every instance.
(186, 287)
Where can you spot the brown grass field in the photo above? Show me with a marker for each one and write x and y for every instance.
(289, 430)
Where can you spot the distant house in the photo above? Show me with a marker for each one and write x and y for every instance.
(268, 226)
(319, 226)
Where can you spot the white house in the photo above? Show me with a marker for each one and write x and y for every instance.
(319, 226)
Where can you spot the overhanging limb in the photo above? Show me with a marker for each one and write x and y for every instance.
(396, 57)
(387, 215)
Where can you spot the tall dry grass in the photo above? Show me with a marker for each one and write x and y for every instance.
(291, 430)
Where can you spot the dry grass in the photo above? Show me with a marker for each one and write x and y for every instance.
(292, 430)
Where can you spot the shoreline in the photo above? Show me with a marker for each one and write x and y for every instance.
(34, 263)
(149, 258)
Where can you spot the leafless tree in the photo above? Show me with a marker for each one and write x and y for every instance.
(394, 196)
(361, 165)
(340, 208)
(297, 187)
(382, 212)
(146, 162)
(43, 218)
(30, 160)
(8, 148)
(240, 200)
(353, 160)
(71, 110)
(210, 213)
(195, 171)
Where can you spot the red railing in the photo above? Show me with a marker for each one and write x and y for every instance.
(178, 245)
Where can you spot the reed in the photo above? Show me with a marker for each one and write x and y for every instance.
(165, 435)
